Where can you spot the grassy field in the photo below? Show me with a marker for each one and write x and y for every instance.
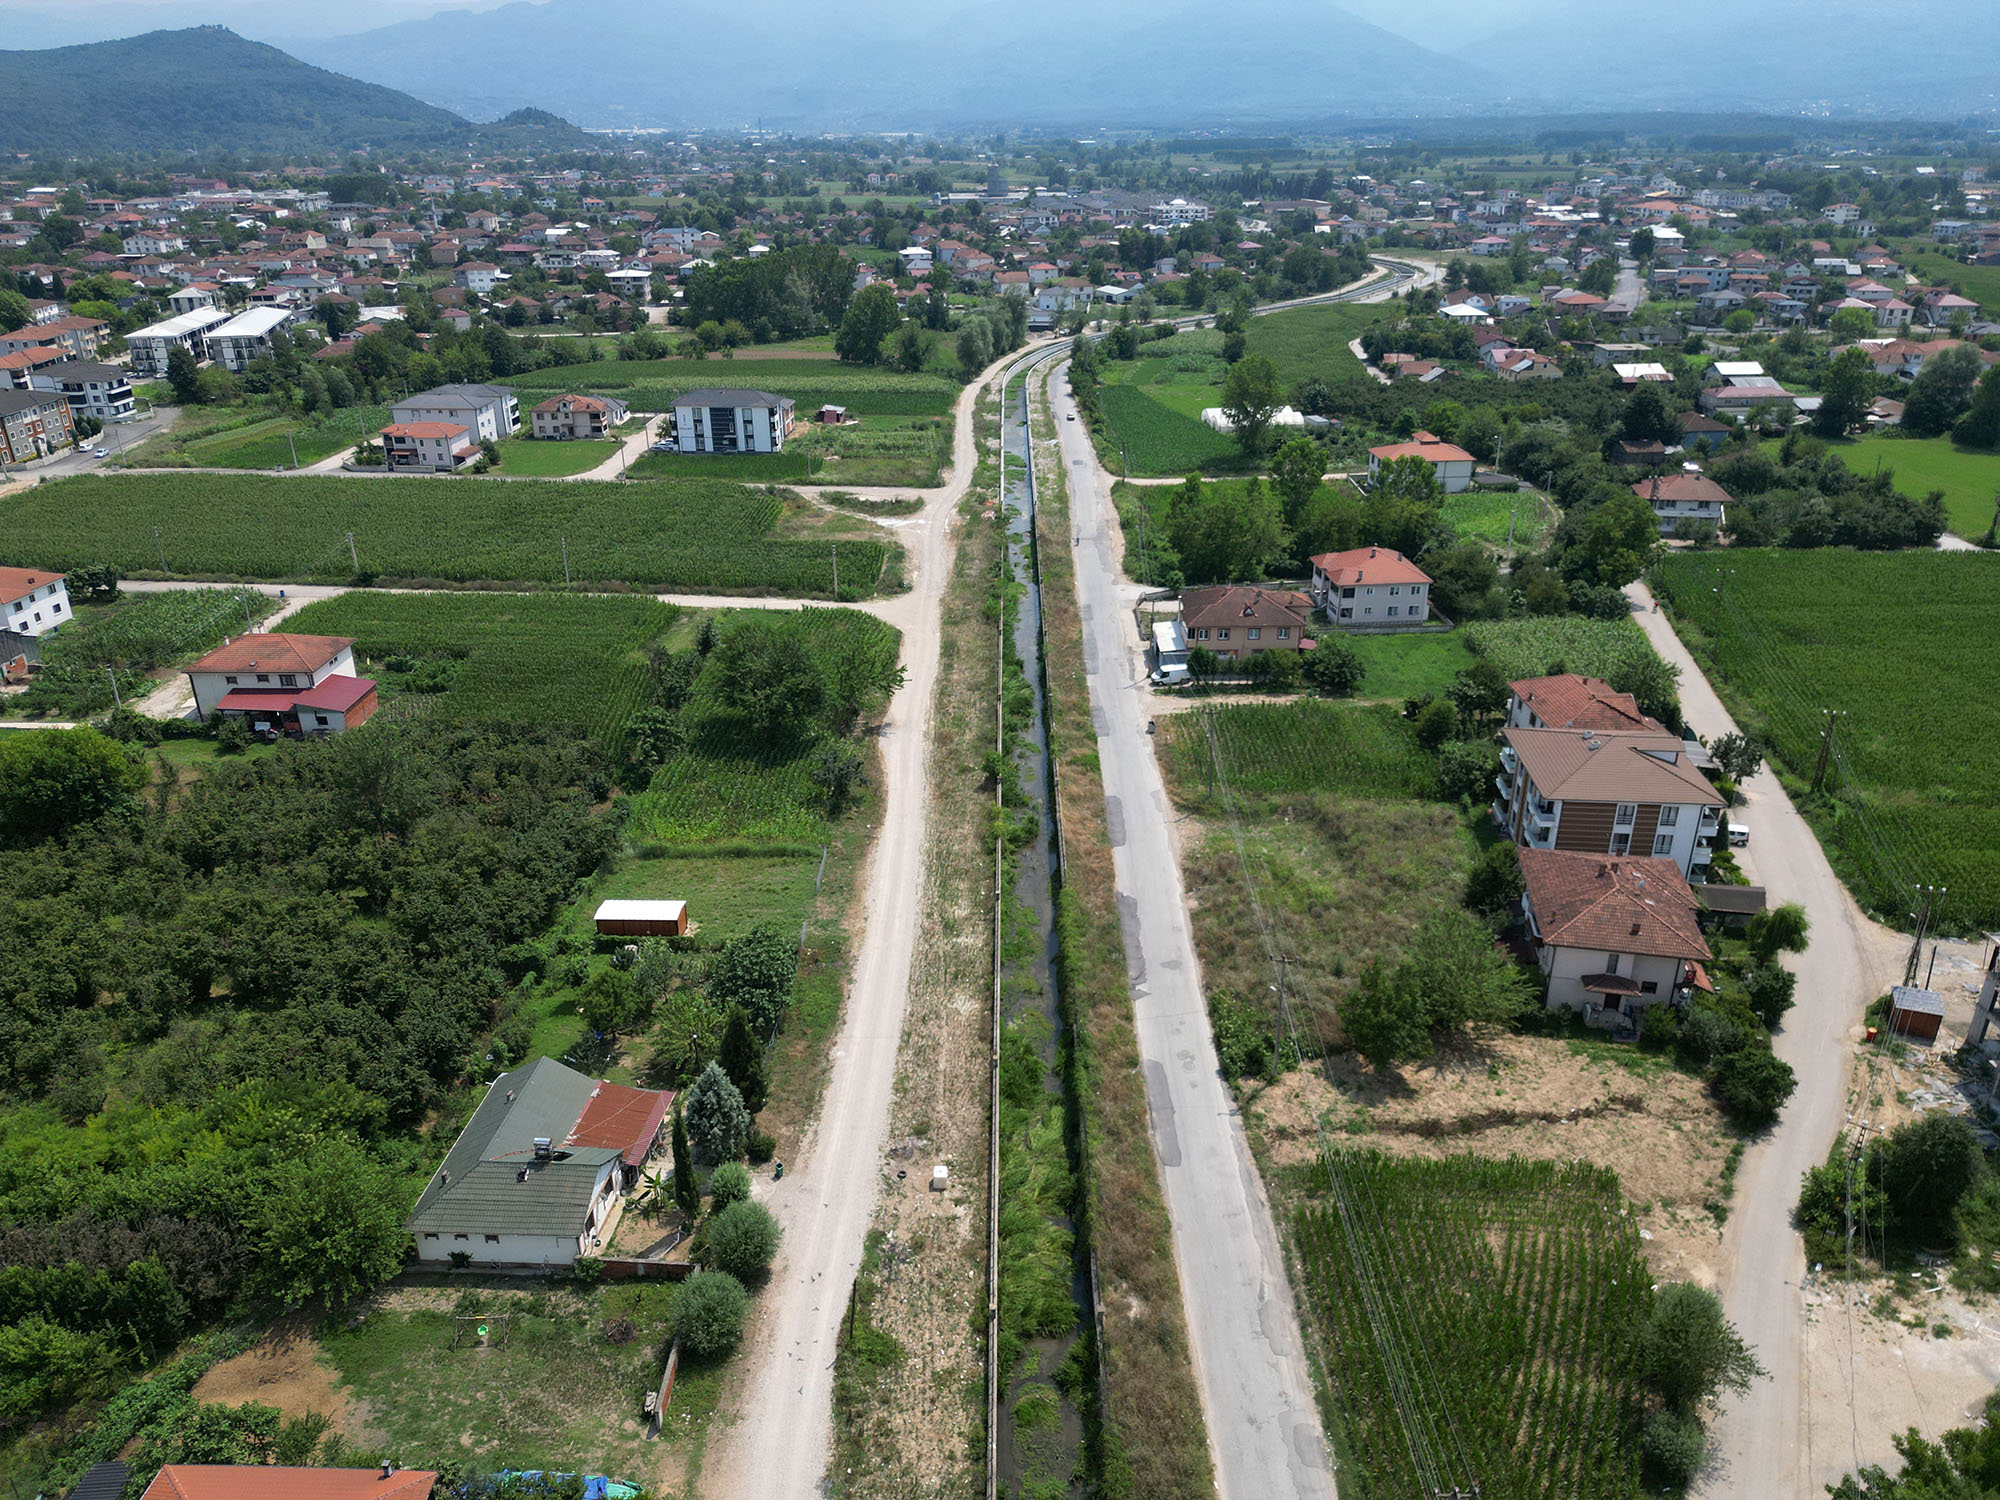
(1917, 753)
(531, 458)
(1489, 517)
(561, 659)
(651, 385)
(875, 451)
(1970, 480)
(1483, 1313)
(557, 1395)
(1340, 841)
(1536, 645)
(1981, 283)
(253, 438)
(732, 785)
(1404, 666)
(1309, 342)
(696, 536)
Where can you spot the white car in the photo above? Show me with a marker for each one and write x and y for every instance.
(1069, 416)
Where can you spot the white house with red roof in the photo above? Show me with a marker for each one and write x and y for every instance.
(282, 683)
(1453, 464)
(1371, 586)
(440, 447)
(1613, 934)
(33, 601)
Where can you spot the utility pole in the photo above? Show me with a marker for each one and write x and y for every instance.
(1278, 1025)
(161, 548)
(295, 449)
(116, 701)
(1926, 897)
(1825, 746)
(248, 623)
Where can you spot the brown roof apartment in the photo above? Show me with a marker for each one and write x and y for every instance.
(1240, 620)
(1613, 935)
(1570, 701)
(1595, 792)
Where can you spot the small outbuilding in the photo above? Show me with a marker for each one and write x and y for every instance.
(1915, 1014)
(642, 919)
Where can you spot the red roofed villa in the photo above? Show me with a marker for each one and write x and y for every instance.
(438, 446)
(1613, 934)
(1453, 464)
(1371, 586)
(299, 685)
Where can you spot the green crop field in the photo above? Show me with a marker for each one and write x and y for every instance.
(1970, 479)
(310, 440)
(570, 660)
(732, 785)
(1533, 646)
(696, 536)
(1901, 644)
(1488, 516)
(1309, 342)
(652, 385)
(1477, 1322)
(133, 635)
(1155, 438)
(1302, 747)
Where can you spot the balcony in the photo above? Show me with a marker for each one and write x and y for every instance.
(1703, 854)
(1505, 782)
(1509, 761)
(1711, 819)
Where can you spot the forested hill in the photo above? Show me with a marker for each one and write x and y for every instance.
(206, 89)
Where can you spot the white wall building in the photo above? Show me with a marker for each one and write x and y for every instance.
(246, 337)
(32, 601)
(103, 392)
(730, 420)
(149, 347)
(273, 660)
(485, 411)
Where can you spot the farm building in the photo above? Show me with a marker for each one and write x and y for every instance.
(535, 1178)
(284, 684)
(642, 918)
(1916, 1014)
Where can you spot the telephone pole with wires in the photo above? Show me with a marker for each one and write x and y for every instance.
(1926, 903)
(1833, 716)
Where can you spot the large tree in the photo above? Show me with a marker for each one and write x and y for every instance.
(871, 317)
(57, 780)
(1251, 396)
(1843, 395)
(1225, 537)
(1940, 395)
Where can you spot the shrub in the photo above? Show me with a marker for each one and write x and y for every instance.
(760, 1147)
(709, 1312)
(1706, 1034)
(1770, 988)
(742, 1239)
(620, 1331)
(1688, 1350)
(1673, 1446)
(1436, 722)
(1334, 667)
(1466, 769)
(1923, 1169)
(1752, 1086)
(729, 1184)
(717, 1122)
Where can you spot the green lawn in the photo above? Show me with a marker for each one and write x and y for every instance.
(268, 444)
(557, 1394)
(1404, 666)
(1487, 517)
(1981, 283)
(1157, 439)
(543, 458)
(1970, 481)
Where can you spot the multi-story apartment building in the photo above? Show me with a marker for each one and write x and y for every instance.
(1592, 791)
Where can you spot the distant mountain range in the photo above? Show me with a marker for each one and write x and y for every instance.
(1125, 63)
(206, 89)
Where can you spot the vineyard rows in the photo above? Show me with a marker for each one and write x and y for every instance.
(552, 659)
(697, 534)
(1899, 643)
(1507, 1298)
(1302, 747)
(1530, 647)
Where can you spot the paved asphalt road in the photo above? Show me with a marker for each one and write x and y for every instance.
(1761, 1436)
(1256, 1387)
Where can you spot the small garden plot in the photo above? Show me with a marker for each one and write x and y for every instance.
(1970, 479)
(1406, 666)
(312, 440)
(1308, 343)
(1300, 747)
(1154, 438)
(133, 635)
(545, 458)
(1491, 516)
(1477, 1322)
(1541, 644)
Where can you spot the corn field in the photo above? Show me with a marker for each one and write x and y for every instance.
(1476, 1321)
(1301, 747)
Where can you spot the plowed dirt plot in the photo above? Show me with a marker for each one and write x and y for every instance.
(283, 1370)
(1543, 1098)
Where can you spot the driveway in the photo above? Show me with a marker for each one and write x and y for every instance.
(1250, 1364)
(1763, 1454)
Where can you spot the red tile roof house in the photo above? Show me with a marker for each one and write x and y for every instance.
(576, 416)
(1371, 587)
(288, 684)
(1615, 792)
(270, 1481)
(1683, 497)
(1569, 701)
(440, 447)
(1613, 935)
(1238, 621)
(1453, 464)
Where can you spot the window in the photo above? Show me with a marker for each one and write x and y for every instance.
(1256, 634)
(1669, 815)
(1201, 635)
(492, 1239)
(1395, 589)
(1222, 634)
(429, 1236)
(1393, 611)
(1621, 843)
(1368, 611)
(288, 679)
(1611, 962)
(320, 719)
(1627, 811)
(1284, 632)
(1663, 845)
(1649, 986)
(230, 680)
(461, 1236)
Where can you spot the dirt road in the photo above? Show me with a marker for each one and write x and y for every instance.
(1250, 1363)
(1761, 1437)
(779, 1442)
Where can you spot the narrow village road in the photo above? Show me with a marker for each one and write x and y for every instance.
(1763, 1449)
(1250, 1363)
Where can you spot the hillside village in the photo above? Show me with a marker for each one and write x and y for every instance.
(620, 768)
